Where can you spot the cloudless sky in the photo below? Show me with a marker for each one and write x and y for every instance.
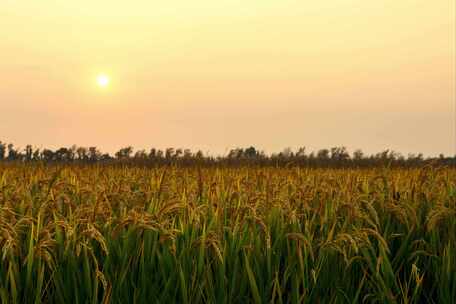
(214, 75)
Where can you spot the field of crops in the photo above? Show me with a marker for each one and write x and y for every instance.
(81, 234)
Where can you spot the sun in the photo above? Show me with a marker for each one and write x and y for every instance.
(102, 80)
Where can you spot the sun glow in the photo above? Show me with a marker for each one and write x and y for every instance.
(102, 80)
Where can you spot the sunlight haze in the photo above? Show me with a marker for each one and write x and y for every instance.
(214, 75)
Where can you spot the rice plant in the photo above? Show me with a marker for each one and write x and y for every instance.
(110, 234)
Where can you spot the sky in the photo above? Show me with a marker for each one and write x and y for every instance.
(215, 75)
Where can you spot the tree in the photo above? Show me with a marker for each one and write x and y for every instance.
(141, 154)
(358, 155)
(47, 155)
(199, 154)
(235, 153)
(124, 153)
(251, 152)
(187, 154)
(62, 155)
(2, 151)
(153, 153)
(287, 153)
(28, 153)
(13, 154)
(339, 153)
(323, 154)
(169, 152)
(82, 153)
(301, 152)
(94, 154)
(335, 156)
(105, 157)
(72, 151)
(36, 154)
(178, 153)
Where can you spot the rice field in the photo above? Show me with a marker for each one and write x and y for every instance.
(112, 234)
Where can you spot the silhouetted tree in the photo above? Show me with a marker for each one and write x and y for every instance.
(358, 155)
(36, 154)
(47, 155)
(286, 153)
(178, 153)
(251, 152)
(339, 154)
(2, 151)
(94, 154)
(13, 154)
(323, 154)
(153, 153)
(141, 154)
(169, 153)
(73, 151)
(82, 153)
(301, 152)
(62, 155)
(105, 157)
(187, 154)
(334, 157)
(124, 153)
(235, 153)
(199, 154)
(28, 153)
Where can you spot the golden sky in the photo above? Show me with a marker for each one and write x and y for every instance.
(214, 75)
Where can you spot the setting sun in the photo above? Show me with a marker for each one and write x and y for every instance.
(102, 80)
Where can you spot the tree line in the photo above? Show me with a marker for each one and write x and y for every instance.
(332, 157)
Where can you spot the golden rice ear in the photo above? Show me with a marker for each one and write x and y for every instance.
(307, 234)
(439, 216)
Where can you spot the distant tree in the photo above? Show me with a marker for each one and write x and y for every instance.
(235, 153)
(187, 154)
(2, 151)
(301, 152)
(336, 157)
(13, 154)
(178, 153)
(36, 154)
(73, 151)
(105, 157)
(383, 156)
(358, 155)
(94, 154)
(199, 154)
(339, 153)
(169, 153)
(62, 155)
(28, 153)
(323, 154)
(141, 154)
(124, 153)
(311, 156)
(393, 155)
(287, 153)
(47, 155)
(251, 152)
(153, 153)
(82, 153)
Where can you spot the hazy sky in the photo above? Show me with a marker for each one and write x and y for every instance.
(214, 75)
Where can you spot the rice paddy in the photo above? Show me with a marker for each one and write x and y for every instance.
(113, 234)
